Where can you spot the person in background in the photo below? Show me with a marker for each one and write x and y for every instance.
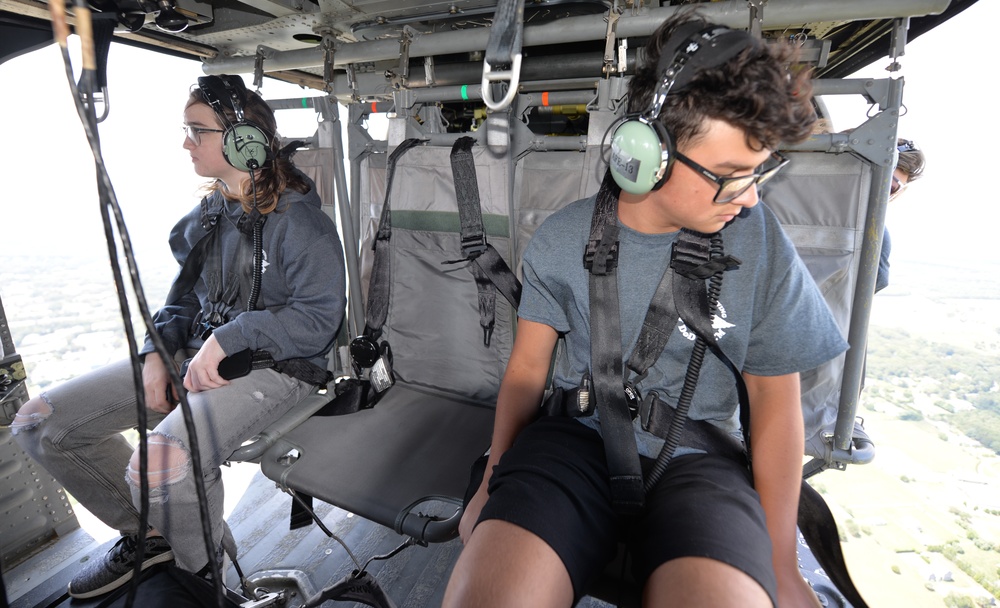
(909, 168)
(262, 282)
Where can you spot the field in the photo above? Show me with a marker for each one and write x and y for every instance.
(921, 524)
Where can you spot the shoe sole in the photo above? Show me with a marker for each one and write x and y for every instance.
(166, 556)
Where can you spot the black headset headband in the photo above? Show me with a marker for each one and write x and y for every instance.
(700, 47)
(228, 91)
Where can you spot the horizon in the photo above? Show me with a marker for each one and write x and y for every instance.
(934, 221)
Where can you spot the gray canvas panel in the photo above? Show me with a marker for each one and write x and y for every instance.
(317, 164)
(412, 446)
(546, 182)
(821, 200)
(433, 321)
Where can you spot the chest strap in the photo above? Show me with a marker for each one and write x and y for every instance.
(489, 269)
(681, 293)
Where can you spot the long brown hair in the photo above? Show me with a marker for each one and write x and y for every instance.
(277, 175)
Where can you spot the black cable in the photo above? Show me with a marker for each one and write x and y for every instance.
(258, 251)
(109, 205)
(673, 438)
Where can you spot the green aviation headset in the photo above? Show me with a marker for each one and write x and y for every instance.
(642, 150)
(245, 145)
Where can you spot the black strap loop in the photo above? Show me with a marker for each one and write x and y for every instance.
(606, 360)
(490, 270)
(378, 284)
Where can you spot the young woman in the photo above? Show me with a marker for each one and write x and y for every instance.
(265, 282)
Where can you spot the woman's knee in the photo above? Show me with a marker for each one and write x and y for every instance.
(31, 415)
(168, 462)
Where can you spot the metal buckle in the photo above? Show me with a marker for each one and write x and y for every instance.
(364, 352)
(633, 399)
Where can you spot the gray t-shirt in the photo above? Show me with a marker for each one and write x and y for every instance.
(771, 319)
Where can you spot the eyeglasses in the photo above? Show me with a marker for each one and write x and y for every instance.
(896, 187)
(730, 188)
(194, 133)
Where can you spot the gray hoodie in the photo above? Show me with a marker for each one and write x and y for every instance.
(301, 302)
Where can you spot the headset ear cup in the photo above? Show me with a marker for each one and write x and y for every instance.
(641, 155)
(245, 147)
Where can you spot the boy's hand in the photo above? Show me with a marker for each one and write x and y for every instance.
(471, 515)
(795, 592)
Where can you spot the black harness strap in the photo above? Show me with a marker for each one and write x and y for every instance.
(195, 260)
(205, 258)
(601, 259)
(489, 269)
(378, 284)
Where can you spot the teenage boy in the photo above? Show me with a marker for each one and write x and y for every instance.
(547, 517)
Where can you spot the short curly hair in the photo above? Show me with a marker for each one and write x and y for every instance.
(754, 91)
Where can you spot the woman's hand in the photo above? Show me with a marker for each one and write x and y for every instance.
(160, 394)
(203, 371)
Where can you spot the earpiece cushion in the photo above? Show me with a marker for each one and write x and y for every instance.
(640, 157)
(245, 147)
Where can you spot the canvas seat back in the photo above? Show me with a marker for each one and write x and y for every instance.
(405, 462)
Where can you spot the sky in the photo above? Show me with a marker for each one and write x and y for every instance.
(50, 204)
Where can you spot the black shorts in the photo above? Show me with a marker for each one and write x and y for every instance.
(553, 482)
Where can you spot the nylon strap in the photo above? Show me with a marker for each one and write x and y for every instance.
(625, 472)
(378, 284)
(657, 326)
(195, 260)
(487, 266)
(505, 33)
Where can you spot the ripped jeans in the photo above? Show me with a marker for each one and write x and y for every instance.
(73, 431)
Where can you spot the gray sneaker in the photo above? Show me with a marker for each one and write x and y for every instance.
(114, 569)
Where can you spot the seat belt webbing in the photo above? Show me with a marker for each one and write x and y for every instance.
(487, 266)
(191, 270)
(621, 452)
(378, 284)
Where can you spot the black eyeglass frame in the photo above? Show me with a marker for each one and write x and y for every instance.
(753, 179)
(194, 133)
(896, 187)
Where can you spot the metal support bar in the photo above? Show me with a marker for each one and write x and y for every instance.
(875, 91)
(755, 26)
(638, 23)
(347, 224)
(329, 56)
(609, 40)
(864, 292)
(897, 43)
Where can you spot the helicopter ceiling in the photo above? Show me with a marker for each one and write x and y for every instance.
(310, 42)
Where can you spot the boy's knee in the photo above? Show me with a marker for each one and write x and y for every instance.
(31, 414)
(167, 462)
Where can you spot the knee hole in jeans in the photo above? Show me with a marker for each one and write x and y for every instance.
(31, 414)
(168, 462)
